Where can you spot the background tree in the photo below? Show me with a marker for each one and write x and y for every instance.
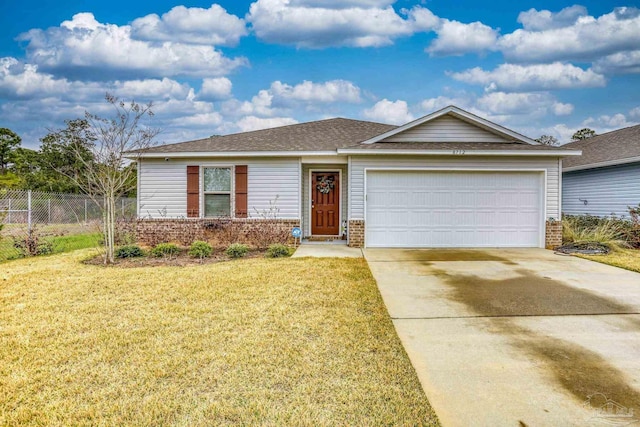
(583, 134)
(107, 174)
(548, 140)
(9, 141)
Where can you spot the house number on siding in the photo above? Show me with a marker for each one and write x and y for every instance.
(458, 152)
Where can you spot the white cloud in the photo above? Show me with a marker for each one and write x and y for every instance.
(316, 24)
(385, 111)
(152, 89)
(217, 88)
(207, 120)
(531, 104)
(457, 38)
(513, 77)
(431, 105)
(619, 63)
(193, 25)
(587, 39)
(635, 113)
(88, 46)
(342, 4)
(560, 109)
(250, 123)
(327, 92)
(606, 123)
(23, 80)
(538, 20)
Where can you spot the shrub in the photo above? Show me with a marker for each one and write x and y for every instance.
(129, 251)
(167, 250)
(32, 244)
(237, 250)
(278, 250)
(607, 231)
(200, 249)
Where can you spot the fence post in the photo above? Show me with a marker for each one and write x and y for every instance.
(29, 211)
(9, 212)
(49, 211)
(85, 211)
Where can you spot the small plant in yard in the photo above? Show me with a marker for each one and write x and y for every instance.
(200, 249)
(278, 250)
(237, 250)
(129, 251)
(167, 250)
(609, 232)
(32, 244)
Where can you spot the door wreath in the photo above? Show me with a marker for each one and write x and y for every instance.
(325, 183)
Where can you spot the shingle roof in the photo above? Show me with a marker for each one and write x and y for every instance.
(322, 135)
(619, 145)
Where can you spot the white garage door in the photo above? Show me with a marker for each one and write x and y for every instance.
(453, 209)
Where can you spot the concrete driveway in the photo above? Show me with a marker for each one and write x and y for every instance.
(516, 337)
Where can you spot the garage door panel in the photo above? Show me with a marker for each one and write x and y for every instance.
(453, 209)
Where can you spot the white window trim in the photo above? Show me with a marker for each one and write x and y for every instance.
(232, 193)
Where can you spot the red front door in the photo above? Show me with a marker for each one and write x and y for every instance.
(325, 203)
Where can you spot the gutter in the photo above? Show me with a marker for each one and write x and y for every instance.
(602, 164)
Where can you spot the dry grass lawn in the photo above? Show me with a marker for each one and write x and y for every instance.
(627, 259)
(248, 342)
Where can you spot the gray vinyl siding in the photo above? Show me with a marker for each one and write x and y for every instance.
(608, 191)
(306, 192)
(163, 185)
(360, 163)
(445, 129)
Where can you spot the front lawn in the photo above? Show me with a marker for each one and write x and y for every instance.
(628, 259)
(259, 341)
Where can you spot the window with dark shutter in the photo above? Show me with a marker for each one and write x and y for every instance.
(193, 191)
(241, 191)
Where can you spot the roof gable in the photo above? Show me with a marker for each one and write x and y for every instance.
(451, 124)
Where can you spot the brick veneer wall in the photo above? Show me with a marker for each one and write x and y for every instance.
(184, 231)
(553, 234)
(356, 233)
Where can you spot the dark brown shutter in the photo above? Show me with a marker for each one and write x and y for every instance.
(241, 191)
(193, 191)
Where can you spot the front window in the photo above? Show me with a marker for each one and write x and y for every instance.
(217, 192)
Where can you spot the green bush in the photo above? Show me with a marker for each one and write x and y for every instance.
(278, 250)
(129, 251)
(237, 250)
(200, 249)
(165, 250)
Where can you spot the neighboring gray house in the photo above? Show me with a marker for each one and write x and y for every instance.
(605, 180)
(449, 179)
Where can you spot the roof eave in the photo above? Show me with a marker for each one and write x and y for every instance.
(461, 153)
(191, 154)
(615, 162)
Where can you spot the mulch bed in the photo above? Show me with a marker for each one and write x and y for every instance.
(587, 248)
(180, 260)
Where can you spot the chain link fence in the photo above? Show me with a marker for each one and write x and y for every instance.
(41, 222)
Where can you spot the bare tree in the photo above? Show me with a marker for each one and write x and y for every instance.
(548, 140)
(107, 174)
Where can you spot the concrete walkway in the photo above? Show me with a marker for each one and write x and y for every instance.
(516, 337)
(326, 250)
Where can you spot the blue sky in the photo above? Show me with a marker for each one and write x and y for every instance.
(214, 68)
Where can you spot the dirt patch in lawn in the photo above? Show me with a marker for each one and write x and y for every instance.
(180, 260)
